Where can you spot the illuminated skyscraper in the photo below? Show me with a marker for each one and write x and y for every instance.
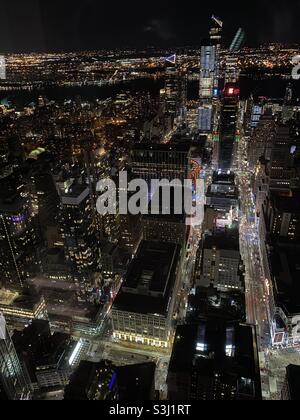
(207, 81)
(175, 90)
(216, 39)
(171, 88)
(238, 40)
(14, 380)
(228, 126)
(209, 76)
(18, 238)
(79, 234)
(216, 30)
(161, 161)
(232, 72)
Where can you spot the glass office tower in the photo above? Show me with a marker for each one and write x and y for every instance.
(228, 126)
(14, 380)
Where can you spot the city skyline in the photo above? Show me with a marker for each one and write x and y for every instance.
(149, 205)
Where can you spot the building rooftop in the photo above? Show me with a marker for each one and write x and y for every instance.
(136, 382)
(108, 248)
(16, 300)
(74, 194)
(286, 271)
(7, 297)
(158, 147)
(104, 381)
(74, 191)
(55, 256)
(171, 210)
(224, 348)
(228, 241)
(232, 195)
(40, 348)
(3, 393)
(286, 204)
(221, 178)
(90, 380)
(150, 278)
(12, 204)
(208, 301)
(293, 379)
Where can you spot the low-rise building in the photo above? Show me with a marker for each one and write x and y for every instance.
(291, 388)
(20, 308)
(222, 194)
(221, 262)
(143, 310)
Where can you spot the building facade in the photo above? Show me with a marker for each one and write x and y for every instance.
(142, 312)
(228, 126)
(13, 376)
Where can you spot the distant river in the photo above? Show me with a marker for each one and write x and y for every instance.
(87, 93)
(272, 87)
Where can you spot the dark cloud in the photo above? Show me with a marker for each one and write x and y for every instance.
(161, 28)
(27, 25)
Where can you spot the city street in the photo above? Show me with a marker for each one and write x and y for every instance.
(187, 275)
(273, 362)
(257, 304)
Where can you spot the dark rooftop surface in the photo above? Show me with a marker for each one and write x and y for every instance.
(75, 191)
(227, 179)
(293, 377)
(286, 269)
(227, 241)
(150, 279)
(222, 195)
(228, 194)
(47, 349)
(133, 382)
(202, 347)
(12, 204)
(163, 147)
(24, 301)
(169, 211)
(55, 256)
(287, 204)
(86, 378)
(156, 260)
(3, 393)
(213, 303)
(136, 382)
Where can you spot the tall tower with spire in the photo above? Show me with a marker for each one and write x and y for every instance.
(209, 75)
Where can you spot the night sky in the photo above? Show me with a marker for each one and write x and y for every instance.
(54, 25)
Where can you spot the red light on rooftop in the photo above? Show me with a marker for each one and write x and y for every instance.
(231, 91)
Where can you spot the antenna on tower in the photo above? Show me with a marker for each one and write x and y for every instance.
(217, 20)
